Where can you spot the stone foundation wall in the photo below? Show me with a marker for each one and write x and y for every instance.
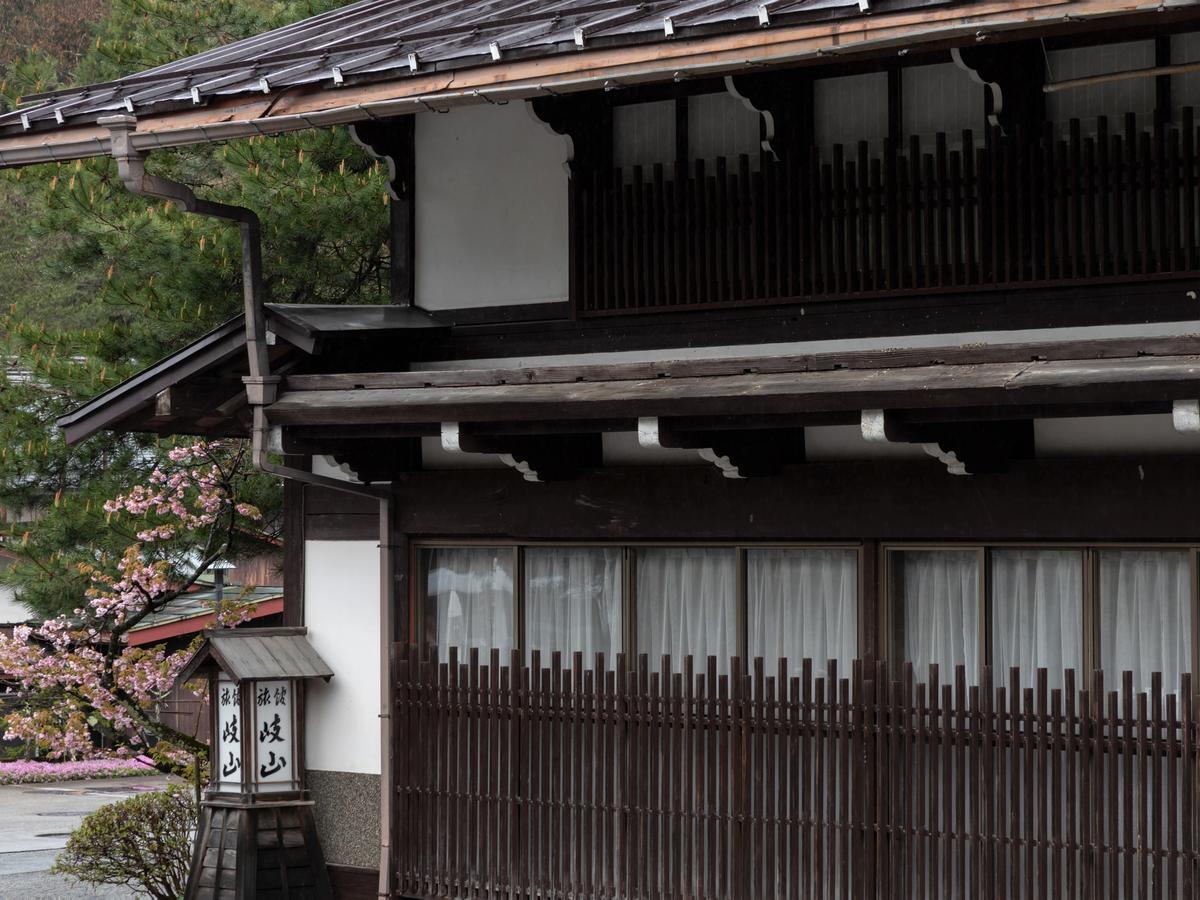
(347, 815)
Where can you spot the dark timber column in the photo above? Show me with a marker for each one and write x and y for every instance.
(394, 142)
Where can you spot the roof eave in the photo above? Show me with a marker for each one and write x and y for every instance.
(286, 110)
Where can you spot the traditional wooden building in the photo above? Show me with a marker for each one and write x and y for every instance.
(777, 473)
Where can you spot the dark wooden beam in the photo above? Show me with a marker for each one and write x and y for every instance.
(204, 402)
(538, 458)
(293, 542)
(896, 358)
(586, 119)
(738, 453)
(1142, 498)
(965, 448)
(394, 142)
(1014, 74)
(546, 329)
(1061, 382)
(784, 99)
(376, 461)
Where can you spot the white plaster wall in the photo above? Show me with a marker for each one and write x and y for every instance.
(491, 208)
(341, 610)
(11, 611)
(942, 98)
(1114, 98)
(851, 108)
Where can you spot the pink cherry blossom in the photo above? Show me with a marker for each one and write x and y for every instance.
(80, 669)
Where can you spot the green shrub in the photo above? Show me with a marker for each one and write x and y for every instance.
(144, 843)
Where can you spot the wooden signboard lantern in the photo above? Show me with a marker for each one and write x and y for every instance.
(257, 835)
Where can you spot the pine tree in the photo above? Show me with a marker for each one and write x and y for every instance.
(96, 283)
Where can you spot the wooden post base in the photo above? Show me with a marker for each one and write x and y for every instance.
(260, 851)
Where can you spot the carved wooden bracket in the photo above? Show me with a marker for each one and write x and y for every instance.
(964, 448)
(392, 142)
(586, 119)
(748, 453)
(785, 102)
(1014, 75)
(536, 457)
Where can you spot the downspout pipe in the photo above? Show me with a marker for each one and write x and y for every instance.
(261, 385)
(261, 390)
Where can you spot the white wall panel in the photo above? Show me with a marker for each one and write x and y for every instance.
(722, 125)
(850, 109)
(1112, 99)
(491, 208)
(941, 98)
(341, 610)
(1185, 88)
(644, 134)
(1111, 435)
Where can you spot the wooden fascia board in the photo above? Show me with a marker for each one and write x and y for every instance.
(989, 384)
(294, 110)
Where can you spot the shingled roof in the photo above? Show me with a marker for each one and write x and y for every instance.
(376, 40)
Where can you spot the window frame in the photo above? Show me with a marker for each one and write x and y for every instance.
(418, 595)
(1090, 624)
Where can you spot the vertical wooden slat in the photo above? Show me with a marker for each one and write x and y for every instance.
(875, 787)
(1042, 771)
(1155, 790)
(961, 779)
(1058, 834)
(1172, 745)
(1127, 784)
(840, 849)
(1188, 708)
(937, 197)
(1188, 134)
(1073, 766)
(1111, 762)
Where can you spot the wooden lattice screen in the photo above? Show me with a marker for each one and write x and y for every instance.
(522, 780)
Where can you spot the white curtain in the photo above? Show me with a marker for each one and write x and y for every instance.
(686, 604)
(469, 592)
(939, 618)
(1145, 616)
(1037, 613)
(573, 602)
(802, 604)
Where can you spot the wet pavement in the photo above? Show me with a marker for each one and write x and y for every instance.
(35, 821)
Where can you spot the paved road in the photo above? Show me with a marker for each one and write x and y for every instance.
(35, 820)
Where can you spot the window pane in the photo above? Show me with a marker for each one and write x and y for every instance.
(937, 610)
(686, 605)
(1145, 616)
(802, 604)
(573, 602)
(1037, 613)
(469, 599)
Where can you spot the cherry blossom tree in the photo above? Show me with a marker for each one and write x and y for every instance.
(79, 669)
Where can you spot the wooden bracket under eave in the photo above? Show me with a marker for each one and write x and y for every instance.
(964, 448)
(738, 453)
(536, 457)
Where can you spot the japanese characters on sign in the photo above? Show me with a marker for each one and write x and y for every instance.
(274, 759)
(228, 762)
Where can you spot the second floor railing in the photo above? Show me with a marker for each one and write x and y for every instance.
(960, 213)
